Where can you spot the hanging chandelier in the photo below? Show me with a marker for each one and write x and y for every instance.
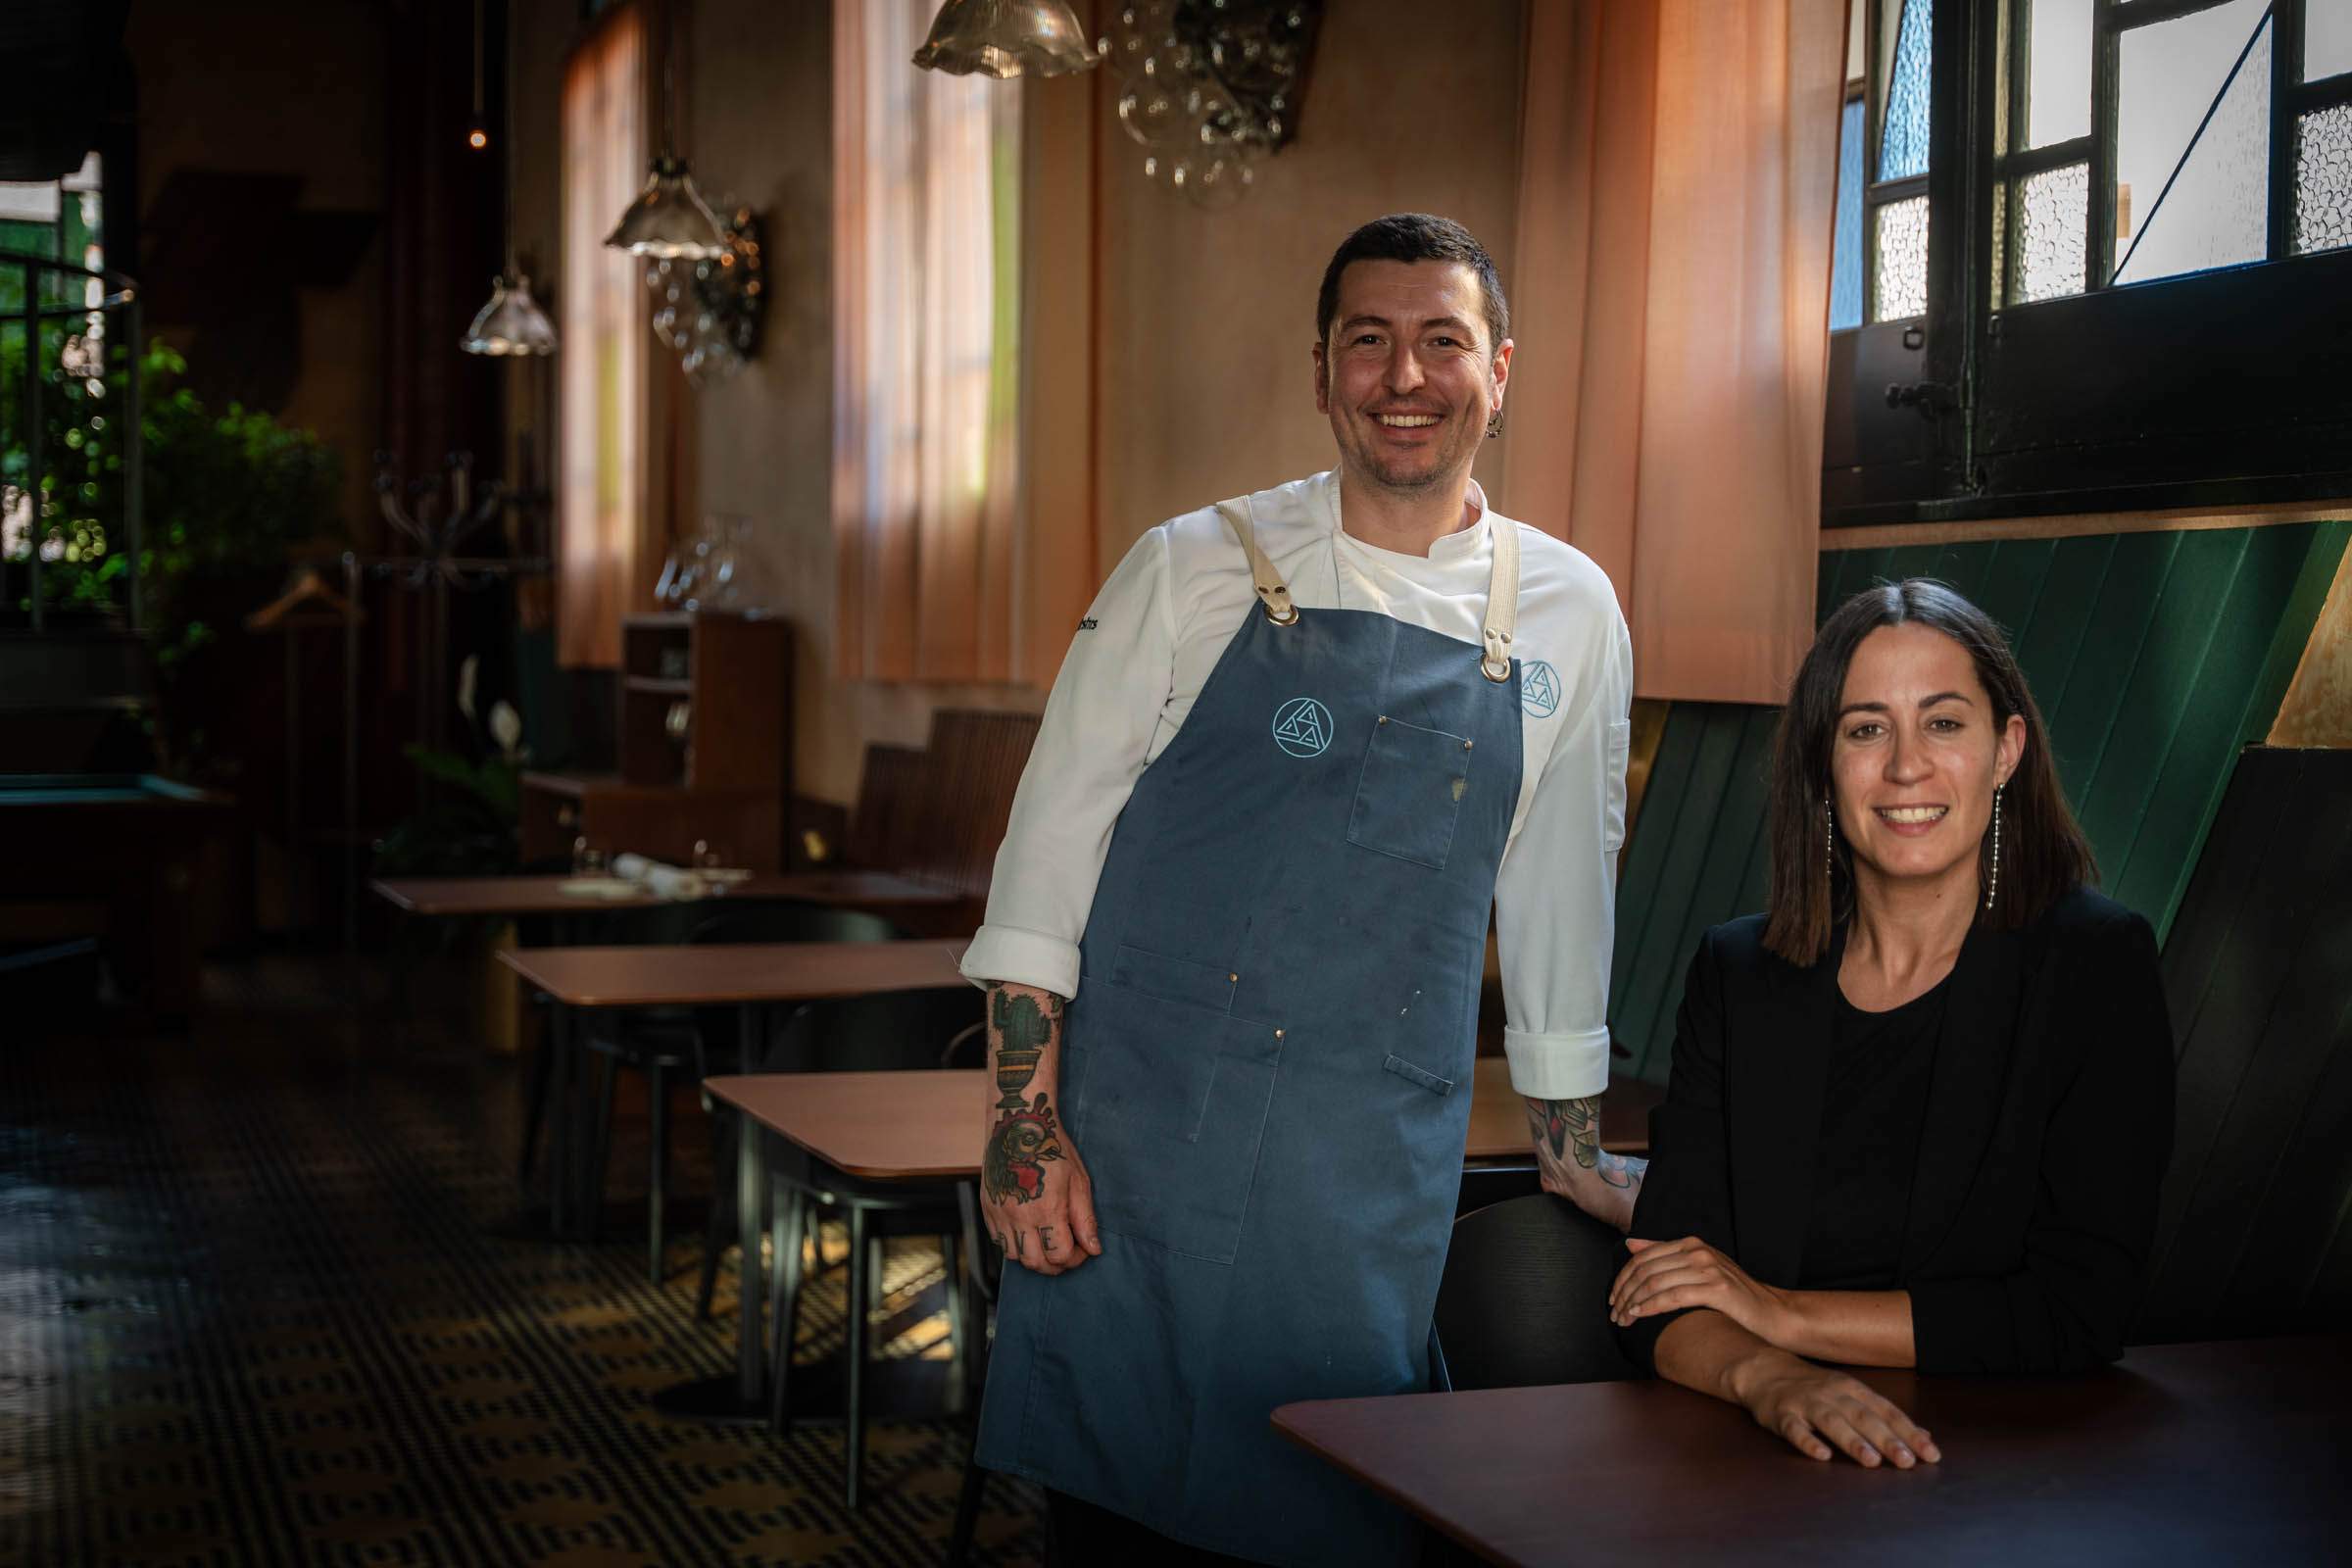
(1209, 88)
(705, 271)
(512, 324)
(1005, 38)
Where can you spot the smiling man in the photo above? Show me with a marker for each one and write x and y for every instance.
(1305, 742)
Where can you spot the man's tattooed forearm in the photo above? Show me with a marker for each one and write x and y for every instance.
(1562, 1125)
(1012, 1167)
(1023, 1028)
(1620, 1171)
(1024, 1137)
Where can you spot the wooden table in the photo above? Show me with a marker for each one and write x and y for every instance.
(925, 1126)
(2230, 1451)
(748, 976)
(543, 894)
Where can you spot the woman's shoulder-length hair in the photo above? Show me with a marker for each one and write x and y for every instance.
(2044, 852)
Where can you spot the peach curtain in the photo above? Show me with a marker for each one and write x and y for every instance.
(927, 301)
(608, 546)
(1677, 178)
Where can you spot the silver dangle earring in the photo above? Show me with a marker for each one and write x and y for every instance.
(1992, 888)
(1828, 844)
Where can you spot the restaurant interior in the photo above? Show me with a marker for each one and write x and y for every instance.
(536, 535)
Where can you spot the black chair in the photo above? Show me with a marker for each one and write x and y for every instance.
(1525, 1298)
(894, 1031)
(2251, 1234)
(714, 1039)
(664, 1042)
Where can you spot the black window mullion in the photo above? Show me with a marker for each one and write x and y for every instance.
(1955, 249)
(2106, 65)
(2286, 63)
(2057, 155)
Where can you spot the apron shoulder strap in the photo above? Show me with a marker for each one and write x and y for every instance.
(1273, 594)
(1502, 601)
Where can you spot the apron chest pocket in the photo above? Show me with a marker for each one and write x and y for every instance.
(1168, 1107)
(1410, 792)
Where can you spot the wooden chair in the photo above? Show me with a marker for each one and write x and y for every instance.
(975, 767)
(886, 829)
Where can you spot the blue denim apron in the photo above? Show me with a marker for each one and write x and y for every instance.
(1266, 1071)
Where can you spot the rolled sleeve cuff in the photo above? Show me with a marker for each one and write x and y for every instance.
(1021, 958)
(1568, 1066)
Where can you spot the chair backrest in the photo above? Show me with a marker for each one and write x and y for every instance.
(974, 766)
(891, 1031)
(1524, 1299)
(2251, 1235)
(886, 830)
(787, 920)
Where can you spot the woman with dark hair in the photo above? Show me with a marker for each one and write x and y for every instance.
(1921, 1106)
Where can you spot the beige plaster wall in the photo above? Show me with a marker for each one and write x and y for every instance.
(1202, 377)
(1205, 383)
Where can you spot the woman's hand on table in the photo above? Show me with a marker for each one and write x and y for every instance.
(1821, 1412)
(1667, 1276)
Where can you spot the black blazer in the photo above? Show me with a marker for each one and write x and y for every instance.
(2049, 1124)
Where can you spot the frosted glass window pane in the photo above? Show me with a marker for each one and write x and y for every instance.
(2324, 181)
(2326, 38)
(1903, 133)
(2001, 245)
(2054, 212)
(1902, 280)
(2217, 211)
(2058, 96)
(1845, 266)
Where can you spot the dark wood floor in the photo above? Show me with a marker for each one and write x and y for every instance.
(252, 1311)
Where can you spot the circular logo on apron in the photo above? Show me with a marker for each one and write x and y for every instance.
(1539, 689)
(1303, 728)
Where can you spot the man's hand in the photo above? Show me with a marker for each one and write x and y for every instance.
(1665, 1276)
(1573, 1164)
(1035, 1197)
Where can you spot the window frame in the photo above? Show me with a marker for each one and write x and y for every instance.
(2131, 397)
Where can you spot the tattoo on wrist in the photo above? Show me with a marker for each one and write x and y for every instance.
(1567, 1127)
(1025, 1137)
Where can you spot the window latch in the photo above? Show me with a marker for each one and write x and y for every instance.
(1932, 399)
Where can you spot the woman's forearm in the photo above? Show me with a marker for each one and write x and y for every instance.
(1710, 1353)
(1855, 1328)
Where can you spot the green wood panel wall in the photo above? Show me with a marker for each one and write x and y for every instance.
(2155, 657)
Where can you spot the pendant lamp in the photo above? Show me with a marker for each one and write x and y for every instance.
(669, 220)
(512, 324)
(1003, 38)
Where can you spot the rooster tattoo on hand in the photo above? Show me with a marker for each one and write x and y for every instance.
(1013, 1168)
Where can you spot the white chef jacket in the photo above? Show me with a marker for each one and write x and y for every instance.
(1147, 648)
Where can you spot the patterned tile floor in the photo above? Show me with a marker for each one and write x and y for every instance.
(250, 1312)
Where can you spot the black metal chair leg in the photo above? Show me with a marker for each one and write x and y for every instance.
(543, 1063)
(600, 1157)
(853, 1351)
(721, 1227)
(790, 1232)
(956, 1326)
(967, 1503)
(656, 1086)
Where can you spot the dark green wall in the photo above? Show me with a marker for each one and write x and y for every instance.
(2155, 657)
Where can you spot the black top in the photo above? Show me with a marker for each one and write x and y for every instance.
(2041, 1140)
(1874, 1107)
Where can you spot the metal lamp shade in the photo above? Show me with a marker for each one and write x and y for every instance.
(1003, 38)
(669, 219)
(512, 324)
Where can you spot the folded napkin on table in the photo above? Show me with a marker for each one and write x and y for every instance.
(662, 881)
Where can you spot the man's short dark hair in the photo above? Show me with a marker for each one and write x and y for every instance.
(1415, 237)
